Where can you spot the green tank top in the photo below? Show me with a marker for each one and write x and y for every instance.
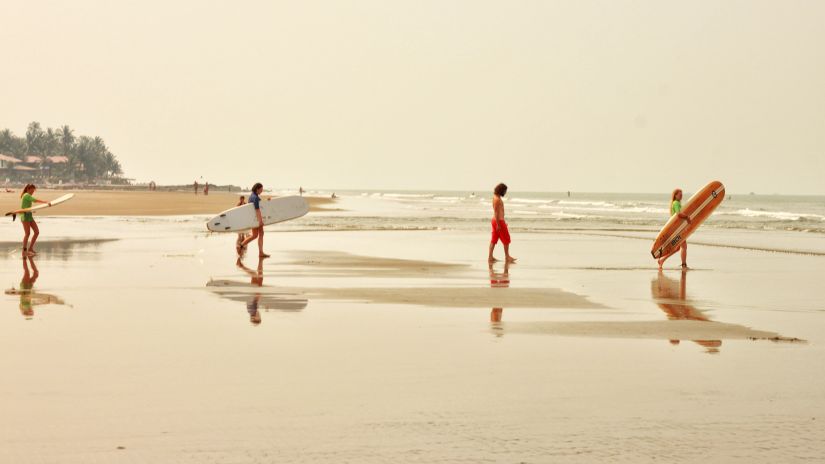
(28, 201)
(675, 207)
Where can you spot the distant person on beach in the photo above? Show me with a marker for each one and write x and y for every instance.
(241, 235)
(333, 196)
(206, 188)
(676, 208)
(27, 219)
(196, 187)
(500, 230)
(257, 232)
(301, 191)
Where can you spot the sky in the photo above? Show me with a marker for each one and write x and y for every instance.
(604, 96)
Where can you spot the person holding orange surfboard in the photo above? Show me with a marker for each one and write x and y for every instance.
(676, 209)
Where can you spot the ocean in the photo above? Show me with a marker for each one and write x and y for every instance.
(537, 211)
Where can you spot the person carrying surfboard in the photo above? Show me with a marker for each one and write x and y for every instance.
(676, 209)
(500, 231)
(258, 232)
(27, 219)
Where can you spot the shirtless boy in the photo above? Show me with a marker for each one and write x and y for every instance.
(500, 231)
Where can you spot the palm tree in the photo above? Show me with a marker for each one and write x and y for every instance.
(51, 142)
(34, 138)
(89, 157)
(6, 141)
(66, 139)
(112, 165)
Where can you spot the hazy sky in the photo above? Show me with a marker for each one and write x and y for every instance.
(545, 95)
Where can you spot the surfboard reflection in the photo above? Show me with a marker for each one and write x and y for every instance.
(671, 297)
(255, 294)
(29, 298)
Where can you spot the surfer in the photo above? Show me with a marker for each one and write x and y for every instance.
(257, 232)
(676, 208)
(500, 231)
(29, 226)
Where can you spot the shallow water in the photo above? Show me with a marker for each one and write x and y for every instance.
(149, 345)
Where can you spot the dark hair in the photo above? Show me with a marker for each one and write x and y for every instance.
(500, 190)
(256, 187)
(26, 189)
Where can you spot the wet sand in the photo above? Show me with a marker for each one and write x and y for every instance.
(403, 347)
(137, 203)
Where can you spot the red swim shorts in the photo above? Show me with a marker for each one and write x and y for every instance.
(500, 232)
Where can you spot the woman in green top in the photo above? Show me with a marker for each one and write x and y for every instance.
(676, 208)
(28, 219)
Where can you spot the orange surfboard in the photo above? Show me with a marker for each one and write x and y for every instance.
(677, 230)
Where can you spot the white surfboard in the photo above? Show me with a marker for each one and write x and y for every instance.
(38, 206)
(273, 211)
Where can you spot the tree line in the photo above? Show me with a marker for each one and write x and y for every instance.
(89, 159)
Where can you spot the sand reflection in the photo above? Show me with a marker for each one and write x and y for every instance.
(254, 294)
(29, 298)
(57, 249)
(498, 280)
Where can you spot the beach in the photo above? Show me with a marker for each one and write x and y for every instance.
(383, 335)
(137, 203)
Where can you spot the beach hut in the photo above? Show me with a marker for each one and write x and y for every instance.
(6, 164)
(6, 161)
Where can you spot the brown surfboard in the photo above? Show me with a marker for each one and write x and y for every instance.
(697, 208)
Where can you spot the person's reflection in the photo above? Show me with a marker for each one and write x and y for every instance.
(28, 297)
(498, 280)
(257, 280)
(673, 301)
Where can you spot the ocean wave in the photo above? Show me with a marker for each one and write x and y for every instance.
(412, 196)
(636, 209)
(588, 203)
(521, 211)
(777, 215)
(563, 215)
(531, 201)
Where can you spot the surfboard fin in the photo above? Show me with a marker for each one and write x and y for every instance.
(13, 217)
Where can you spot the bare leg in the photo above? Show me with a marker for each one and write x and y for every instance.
(684, 255)
(246, 241)
(26, 228)
(490, 258)
(34, 237)
(507, 257)
(261, 253)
